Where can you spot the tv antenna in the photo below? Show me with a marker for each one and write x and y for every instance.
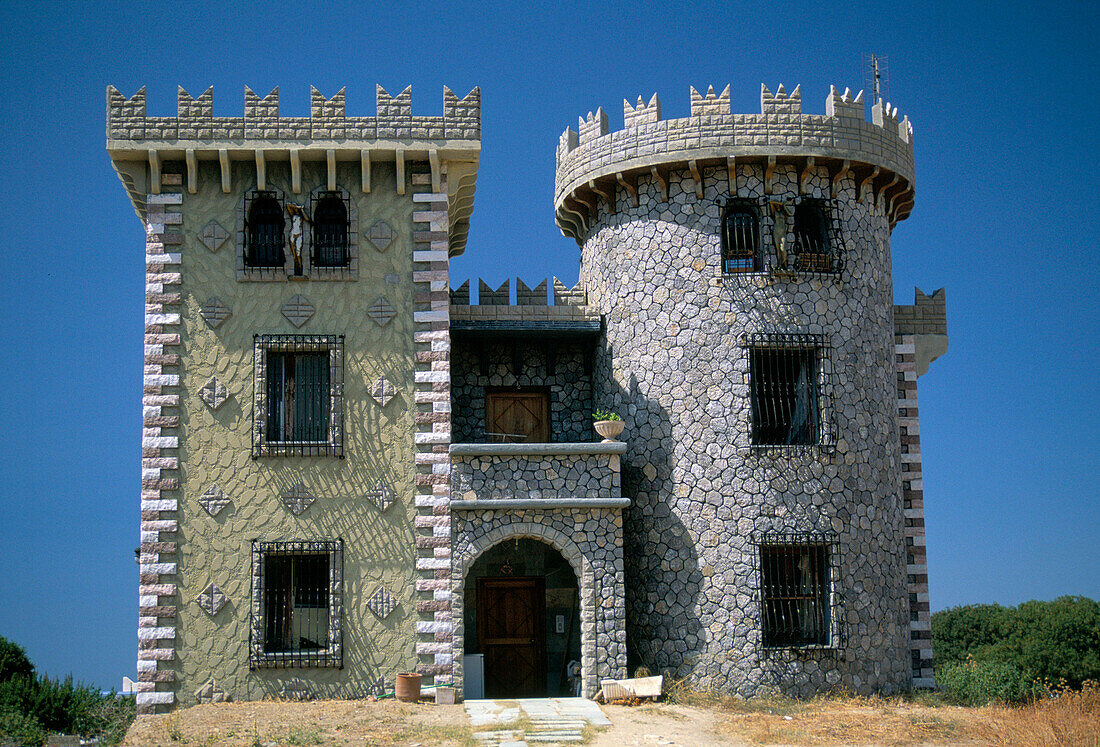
(876, 75)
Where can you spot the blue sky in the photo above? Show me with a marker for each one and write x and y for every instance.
(1001, 96)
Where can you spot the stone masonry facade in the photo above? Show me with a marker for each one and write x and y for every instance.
(645, 204)
(668, 531)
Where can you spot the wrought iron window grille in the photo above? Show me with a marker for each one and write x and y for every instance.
(298, 397)
(297, 604)
(798, 577)
(264, 230)
(814, 240)
(330, 229)
(741, 247)
(791, 383)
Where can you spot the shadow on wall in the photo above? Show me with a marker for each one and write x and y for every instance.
(663, 579)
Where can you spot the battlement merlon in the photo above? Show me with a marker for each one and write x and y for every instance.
(138, 143)
(593, 161)
(926, 321)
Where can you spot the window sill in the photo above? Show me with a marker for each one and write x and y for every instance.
(802, 652)
(320, 659)
(298, 448)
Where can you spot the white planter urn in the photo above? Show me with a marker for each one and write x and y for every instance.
(609, 429)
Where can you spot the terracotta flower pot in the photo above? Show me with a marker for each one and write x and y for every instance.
(609, 429)
(407, 688)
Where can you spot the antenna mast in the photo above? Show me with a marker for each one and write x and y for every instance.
(876, 76)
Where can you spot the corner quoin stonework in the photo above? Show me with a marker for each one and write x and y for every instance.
(159, 449)
(435, 626)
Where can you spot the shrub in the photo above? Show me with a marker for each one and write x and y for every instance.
(13, 661)
(35, 706)
(1049, 641)
(17, 728)
(977, 683)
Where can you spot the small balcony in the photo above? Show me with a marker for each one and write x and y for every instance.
(537, 476)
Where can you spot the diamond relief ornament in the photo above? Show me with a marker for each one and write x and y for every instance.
(380, 235)
(381, 495)
(214, 394)
(381, 311)
(213, 500)
(382, 391)
(211, 600)
(382, 603)
(297, 310)
(213, 236)
(298, 499)
(214, 312)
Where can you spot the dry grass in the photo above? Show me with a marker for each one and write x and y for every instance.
(1072, 718)
(357, 723)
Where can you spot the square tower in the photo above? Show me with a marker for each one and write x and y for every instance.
(295, 501)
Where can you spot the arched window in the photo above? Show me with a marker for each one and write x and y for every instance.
(330, 231)
(264, 229)
(811, 238)
(740, 239)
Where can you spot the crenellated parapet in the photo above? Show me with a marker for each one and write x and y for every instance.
(450, 143)
(925, 323)
(328, 122)
(594, 164)
(527, 310)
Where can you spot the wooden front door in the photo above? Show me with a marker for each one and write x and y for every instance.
(517, 416)
(511, 629)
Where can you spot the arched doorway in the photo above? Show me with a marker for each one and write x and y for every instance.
(522, 615)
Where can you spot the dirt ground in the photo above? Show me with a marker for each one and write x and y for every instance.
(824, 721)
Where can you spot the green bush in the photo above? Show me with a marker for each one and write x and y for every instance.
(39, 705)
(17, 728)
(1048, 641)
(978, 683)
(13, 661)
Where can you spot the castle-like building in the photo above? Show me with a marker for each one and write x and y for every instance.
(349, 470)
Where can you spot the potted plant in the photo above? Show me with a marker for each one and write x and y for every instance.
(608, 424)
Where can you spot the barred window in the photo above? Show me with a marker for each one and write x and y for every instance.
(813, 251)
(330, 230)
(787, 389)
(794, 583)
(741, 238)
(264, 224)
(296, 604)
(299, 395)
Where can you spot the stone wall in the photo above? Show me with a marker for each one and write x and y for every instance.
(570, 387)
(675, 365)
(535, 474)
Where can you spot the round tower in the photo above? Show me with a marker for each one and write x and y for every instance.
(742, 265)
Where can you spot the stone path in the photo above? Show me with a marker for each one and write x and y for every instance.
(552, 720)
